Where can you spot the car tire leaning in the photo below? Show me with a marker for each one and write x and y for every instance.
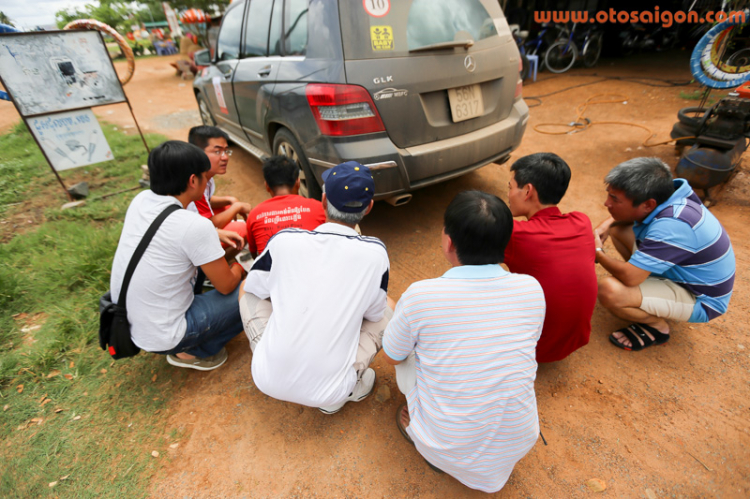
(285, 144)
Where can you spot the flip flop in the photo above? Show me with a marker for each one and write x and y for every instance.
(640, 332)
(402, 429)
(400, 425)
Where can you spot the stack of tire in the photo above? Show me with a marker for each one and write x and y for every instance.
(691, 120)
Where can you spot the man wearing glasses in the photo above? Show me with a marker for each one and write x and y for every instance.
(221, 210)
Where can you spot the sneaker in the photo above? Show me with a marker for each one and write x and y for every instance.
(205, 364)
(362, 389)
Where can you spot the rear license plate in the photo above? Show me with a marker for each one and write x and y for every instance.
(466, 102)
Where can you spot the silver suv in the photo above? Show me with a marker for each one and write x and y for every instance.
(421, 91)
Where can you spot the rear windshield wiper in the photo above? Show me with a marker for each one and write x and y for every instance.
(445, 45)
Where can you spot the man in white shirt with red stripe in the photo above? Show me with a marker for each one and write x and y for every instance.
(464, 346)
(315, 306)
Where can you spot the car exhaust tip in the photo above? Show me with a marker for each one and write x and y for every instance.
(399, 200)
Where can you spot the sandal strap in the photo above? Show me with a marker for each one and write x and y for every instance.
(633, 336)
(658, 335)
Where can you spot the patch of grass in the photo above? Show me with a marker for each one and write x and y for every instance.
(697, 94)
(69, 414)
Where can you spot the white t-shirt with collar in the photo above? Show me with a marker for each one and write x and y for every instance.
(161, 289)
(322, 284)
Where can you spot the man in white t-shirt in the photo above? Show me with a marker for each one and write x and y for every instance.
(328, 288)
(164, 314)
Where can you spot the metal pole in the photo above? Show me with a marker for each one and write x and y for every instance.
(136, 124)
(70, 196)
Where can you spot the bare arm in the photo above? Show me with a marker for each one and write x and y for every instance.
(222, 201)
(222, 219)
(390, 360)
(224, 278)
(625, 272)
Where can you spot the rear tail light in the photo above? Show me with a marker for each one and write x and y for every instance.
(343, 109)
(519, 83)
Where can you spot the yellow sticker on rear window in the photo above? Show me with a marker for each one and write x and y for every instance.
(381, 37)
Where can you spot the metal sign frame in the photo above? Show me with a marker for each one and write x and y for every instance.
(25, 117)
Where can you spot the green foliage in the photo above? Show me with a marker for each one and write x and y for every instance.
(112, 13)
(69, 413)
(6, 20)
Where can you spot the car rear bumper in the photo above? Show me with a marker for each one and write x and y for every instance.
(397, 170)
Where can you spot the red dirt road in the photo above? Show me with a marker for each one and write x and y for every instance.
(670, 421)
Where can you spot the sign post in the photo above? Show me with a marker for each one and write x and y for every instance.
(54, 78)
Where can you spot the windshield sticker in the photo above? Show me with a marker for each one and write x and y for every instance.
(390, 93)
(377, 8)
(216, 80)
(381, 37)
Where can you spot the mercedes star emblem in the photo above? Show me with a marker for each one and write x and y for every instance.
(469, 64)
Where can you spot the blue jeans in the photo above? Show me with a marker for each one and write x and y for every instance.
(212, 320)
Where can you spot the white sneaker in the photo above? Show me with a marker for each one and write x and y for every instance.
(362, 389)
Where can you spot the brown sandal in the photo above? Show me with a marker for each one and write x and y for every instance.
(400, 425)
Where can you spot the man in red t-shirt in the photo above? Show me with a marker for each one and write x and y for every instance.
(555, 248)
(221, 210)
(285, 209)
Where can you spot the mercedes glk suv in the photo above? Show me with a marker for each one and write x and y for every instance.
(421, 91)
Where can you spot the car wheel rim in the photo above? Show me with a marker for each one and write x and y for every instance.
(286, 149)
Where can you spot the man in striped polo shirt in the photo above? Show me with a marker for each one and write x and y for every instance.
(464, 349)
(679, 264)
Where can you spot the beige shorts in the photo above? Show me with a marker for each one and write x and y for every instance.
(666, 299)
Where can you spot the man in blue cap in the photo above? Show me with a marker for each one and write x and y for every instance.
(328, 288)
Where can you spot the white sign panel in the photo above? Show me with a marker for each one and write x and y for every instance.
(51, 71)
(174, 25)
(71, 139)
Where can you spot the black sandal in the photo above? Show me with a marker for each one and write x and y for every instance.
(640, 332)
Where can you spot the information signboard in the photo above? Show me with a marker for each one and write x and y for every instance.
(52, 71)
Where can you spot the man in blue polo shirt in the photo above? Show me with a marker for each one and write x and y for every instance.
(679, 263)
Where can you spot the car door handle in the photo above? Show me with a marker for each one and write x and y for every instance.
(228, 75)
(265, 71)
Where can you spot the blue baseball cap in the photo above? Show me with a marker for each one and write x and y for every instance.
(349, 186)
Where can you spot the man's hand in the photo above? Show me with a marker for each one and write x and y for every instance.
(231, 239)
(241, 209)
(601, 232)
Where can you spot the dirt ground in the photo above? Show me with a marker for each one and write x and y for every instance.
(669, 421)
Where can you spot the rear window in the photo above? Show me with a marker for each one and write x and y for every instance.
(391, 28)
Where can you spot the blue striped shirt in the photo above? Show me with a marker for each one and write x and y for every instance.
(684, 242)
(474, 333)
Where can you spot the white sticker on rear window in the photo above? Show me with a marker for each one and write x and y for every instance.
(377, 8)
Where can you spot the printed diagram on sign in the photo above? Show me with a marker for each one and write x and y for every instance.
(57, 71)
(71, 139)
(381, 37)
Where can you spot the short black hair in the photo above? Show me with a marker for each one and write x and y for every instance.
(200, 135)
(547, 172)
(171, 164)
(479, 225)
(642, 179)
(280, 171)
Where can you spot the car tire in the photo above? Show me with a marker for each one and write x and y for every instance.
(692, 121)
(285, 144)
(206, 117)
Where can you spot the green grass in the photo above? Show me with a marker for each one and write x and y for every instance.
(109, 421)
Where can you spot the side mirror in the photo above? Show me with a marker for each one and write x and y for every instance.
(202, 58)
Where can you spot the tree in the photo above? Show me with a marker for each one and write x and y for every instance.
(6, 20)
(108, 12)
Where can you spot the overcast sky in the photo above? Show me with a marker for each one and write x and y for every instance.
(27, 14)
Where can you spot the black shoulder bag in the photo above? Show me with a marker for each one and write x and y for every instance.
(114, 328)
